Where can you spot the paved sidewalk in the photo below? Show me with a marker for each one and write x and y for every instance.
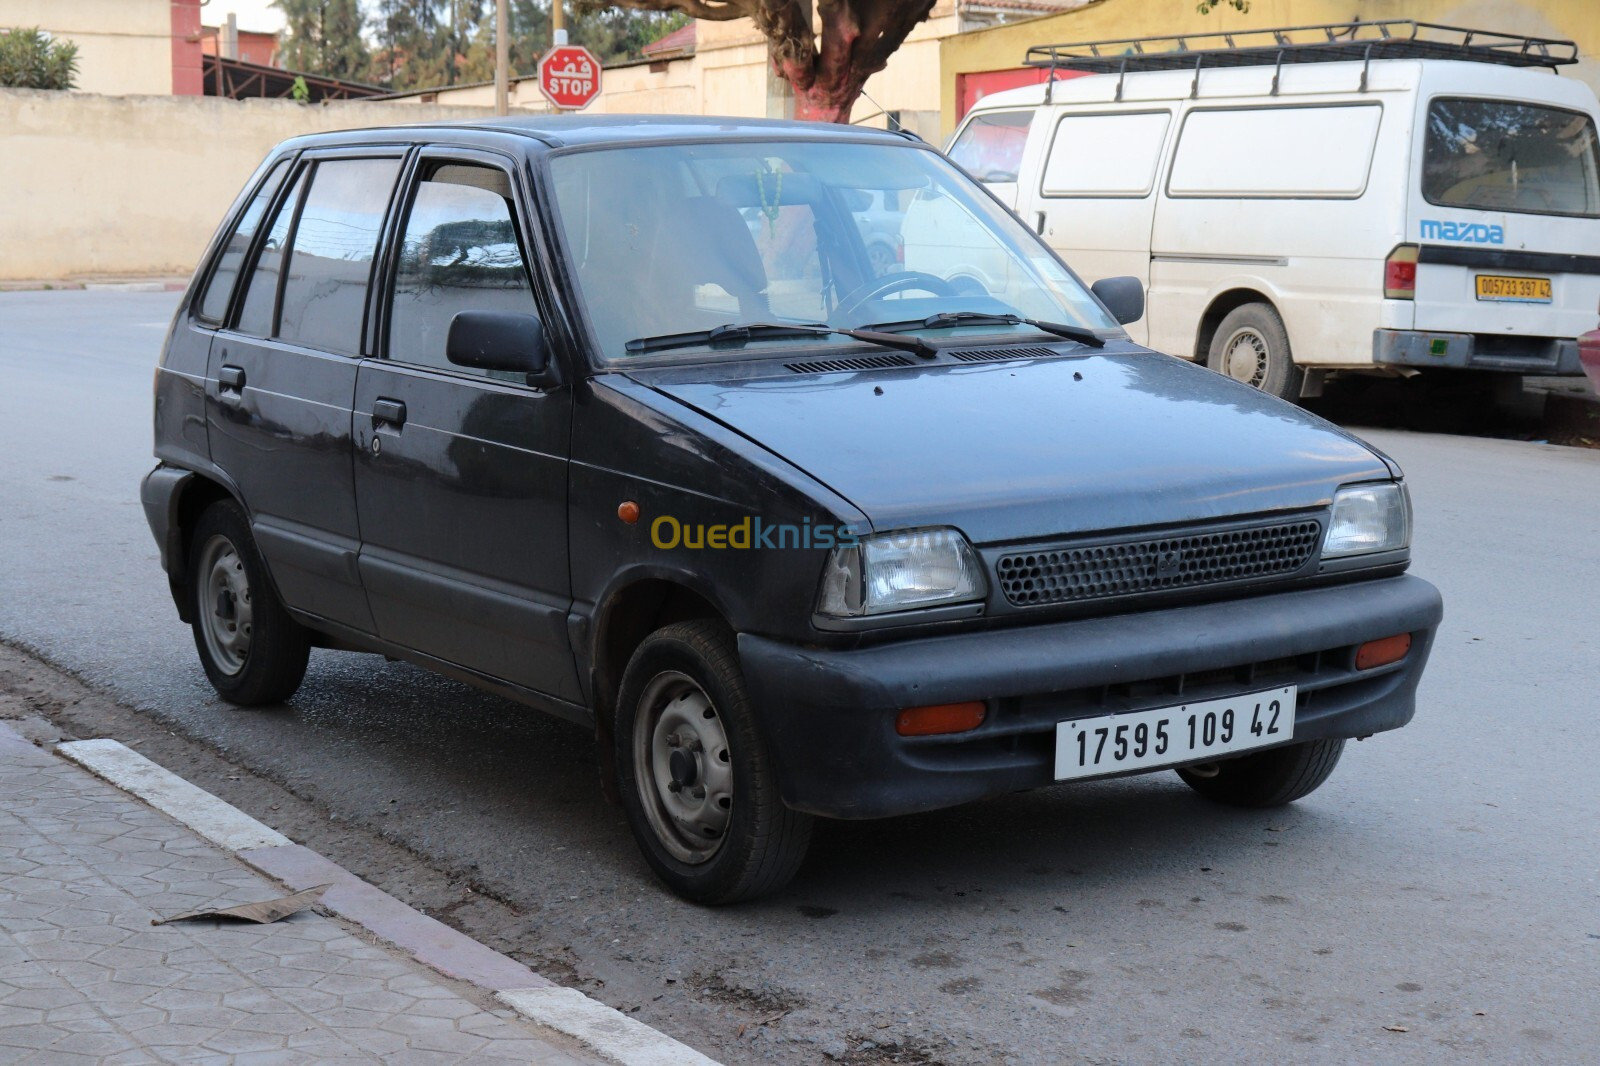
(85, 977)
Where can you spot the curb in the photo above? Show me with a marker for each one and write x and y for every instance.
(599, 1029)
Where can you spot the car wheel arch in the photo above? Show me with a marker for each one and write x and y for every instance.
(197, 493)
(1220, 306)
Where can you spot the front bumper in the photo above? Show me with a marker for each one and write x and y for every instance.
(1548, 356)
(829, 715)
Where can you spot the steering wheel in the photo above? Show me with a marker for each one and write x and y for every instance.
(899, 281)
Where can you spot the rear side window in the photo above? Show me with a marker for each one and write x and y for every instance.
(1495, 155)
(1105, 155)
(461, 252)
(990, 146)
(1276, 152)
(261, 296)
(330, 265)
(214, 303)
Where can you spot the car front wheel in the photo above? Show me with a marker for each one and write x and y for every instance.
(1268, 778)
(252, 651)
(696, 779)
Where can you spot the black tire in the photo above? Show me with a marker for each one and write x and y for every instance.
(1251, 345)
(1268, 778)
(684, 684)
(252, 651)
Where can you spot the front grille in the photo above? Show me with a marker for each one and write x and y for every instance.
(1070, 574)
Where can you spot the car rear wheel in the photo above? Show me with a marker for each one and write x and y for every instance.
(696, 779)
(252, 651)
(1251, 345)
(1268, 778)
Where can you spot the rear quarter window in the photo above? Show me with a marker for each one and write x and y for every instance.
(214, 303)
(1276, 152)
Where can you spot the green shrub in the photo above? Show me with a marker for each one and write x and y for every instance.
(29, 59)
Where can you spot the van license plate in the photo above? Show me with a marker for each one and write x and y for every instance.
(1514, 290)
(1172, 736)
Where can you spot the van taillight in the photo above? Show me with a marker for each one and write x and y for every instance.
(1400, 273)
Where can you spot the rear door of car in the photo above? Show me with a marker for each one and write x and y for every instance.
(461, 474)
(1505, 203)
(282, 375)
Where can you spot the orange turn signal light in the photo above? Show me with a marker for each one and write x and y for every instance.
(940, 718)
(1383, 652)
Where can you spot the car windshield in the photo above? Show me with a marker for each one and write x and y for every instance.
(681, 239)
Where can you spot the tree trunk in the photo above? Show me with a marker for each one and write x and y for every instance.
(827, 102)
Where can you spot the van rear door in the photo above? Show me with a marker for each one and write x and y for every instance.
(1506, 208)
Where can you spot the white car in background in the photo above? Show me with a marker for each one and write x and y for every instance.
(1352, 202)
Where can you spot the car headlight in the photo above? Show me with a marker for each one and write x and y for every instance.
(1368, 518)
(900, 571)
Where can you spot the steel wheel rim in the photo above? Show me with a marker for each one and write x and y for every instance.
(1244, 357)
(225, 611)
(683, 767)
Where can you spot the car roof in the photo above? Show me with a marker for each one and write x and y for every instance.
(555, 131)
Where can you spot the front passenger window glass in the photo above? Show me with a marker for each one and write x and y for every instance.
(460, 253)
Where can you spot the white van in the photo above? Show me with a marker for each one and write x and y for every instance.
(1301, 209)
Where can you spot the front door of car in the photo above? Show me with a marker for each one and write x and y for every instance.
(282, 375)
(461, 474)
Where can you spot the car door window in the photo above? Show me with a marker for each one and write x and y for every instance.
(325, 290)
(214, 303)
(461, 251)
(261, 297)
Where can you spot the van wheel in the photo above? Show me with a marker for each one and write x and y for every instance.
(1251, 345)
(252, 651)
(1268, 778)
(696, 779)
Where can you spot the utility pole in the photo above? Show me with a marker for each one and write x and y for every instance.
(558, 24)
(502, 58)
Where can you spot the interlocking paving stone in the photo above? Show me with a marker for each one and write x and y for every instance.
(84, 977)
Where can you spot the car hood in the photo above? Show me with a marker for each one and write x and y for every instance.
(1019, 450)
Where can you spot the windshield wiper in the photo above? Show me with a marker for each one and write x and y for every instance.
(947, 319)
(747, 331)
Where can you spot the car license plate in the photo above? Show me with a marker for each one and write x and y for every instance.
(1172, 736)
(1514, 290)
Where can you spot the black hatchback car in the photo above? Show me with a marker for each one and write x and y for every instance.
(622, 419)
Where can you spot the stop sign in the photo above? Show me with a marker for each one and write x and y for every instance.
(569, 76)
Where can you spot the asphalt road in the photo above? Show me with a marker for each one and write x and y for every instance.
(1444, 881)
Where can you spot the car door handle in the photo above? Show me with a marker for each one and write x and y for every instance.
(387, 411)
(230, 377)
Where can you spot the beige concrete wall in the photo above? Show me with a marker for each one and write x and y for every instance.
(137, 184)
(124, 46)
(1002, 48)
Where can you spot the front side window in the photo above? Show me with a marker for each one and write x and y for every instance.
(214, 303)
(325, 291)
(461, 252)
(682, 239)
(990, 146)
(1495, 155)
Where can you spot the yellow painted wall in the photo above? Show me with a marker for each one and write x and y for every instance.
(1002, 48)
(124, 46)
(136, 184)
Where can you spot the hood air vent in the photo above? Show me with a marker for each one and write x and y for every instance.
(864, 362)
(1000, 355)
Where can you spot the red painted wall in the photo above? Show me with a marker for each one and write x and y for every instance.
(187, 78)
(970, 88)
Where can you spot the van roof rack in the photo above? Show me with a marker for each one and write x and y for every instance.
(1329, 43)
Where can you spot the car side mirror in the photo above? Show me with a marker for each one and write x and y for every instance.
(502, 340)
(1123, 297)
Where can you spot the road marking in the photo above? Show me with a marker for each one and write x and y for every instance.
(221, 823)
(601, 1028)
